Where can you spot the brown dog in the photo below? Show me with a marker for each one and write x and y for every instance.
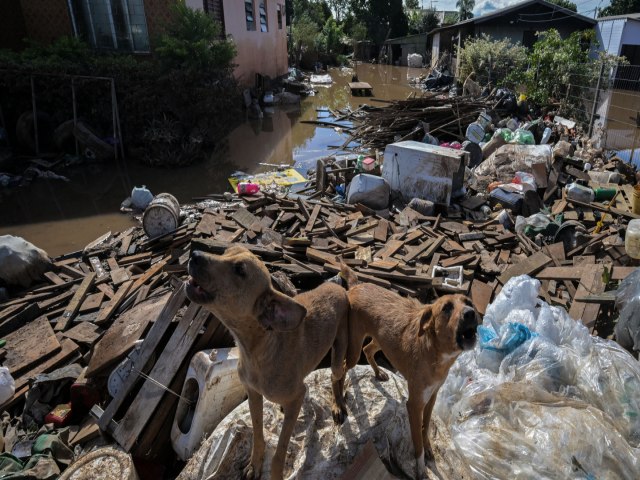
(281, 339)
(421, 341)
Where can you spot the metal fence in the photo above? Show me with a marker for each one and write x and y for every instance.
(610, 103)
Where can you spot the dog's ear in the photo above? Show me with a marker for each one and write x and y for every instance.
(426, 320)
(279, 312)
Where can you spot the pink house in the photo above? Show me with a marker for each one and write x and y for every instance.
(258, 28)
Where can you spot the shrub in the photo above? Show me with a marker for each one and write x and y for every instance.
(194, 41)
(491, 60)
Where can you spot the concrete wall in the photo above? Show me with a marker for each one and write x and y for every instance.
(258, 52)
(45, 20)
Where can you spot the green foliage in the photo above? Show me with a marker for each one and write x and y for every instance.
(423, 22)
(465, 9)
(620, 7)
(556, 63)
(412, 4)
(565, 4)
(359, 32)
(193, 41)
(381, 17)
(491, 60)
(332, 34)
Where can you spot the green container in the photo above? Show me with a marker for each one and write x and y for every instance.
(603, 193)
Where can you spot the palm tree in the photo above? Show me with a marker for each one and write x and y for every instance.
(465, 9)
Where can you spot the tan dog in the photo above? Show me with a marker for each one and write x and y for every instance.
(281, 339)
(421, 341)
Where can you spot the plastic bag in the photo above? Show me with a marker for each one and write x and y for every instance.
(523, 137)
(627, 329)
(7, 385)
(538, 222)
(562, 404)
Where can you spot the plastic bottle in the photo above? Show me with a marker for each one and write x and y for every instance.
(248, 188)
(546, 135)
(141, 197)
(632, 239)
(579, 193)
(603, 193)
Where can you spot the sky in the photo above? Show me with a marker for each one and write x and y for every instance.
(585, 7)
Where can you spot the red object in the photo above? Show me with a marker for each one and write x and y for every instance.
(59, 416)
(246, 188)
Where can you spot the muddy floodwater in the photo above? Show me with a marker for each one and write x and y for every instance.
(63, 217)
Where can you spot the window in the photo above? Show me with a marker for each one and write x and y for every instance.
(250, 14)
(263, 16)
(111, 24)
(279, 17)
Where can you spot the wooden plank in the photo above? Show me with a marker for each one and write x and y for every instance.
(391, 247)
(481, 295)
(321, 257)
(53, 278)
(530, 266)
(92, 302)
(313, 217)
(459, 260)
(85, 332)
(20, 316)
(57, 300)
(575, 273)
(30, 345)
(149, 396)
(72, 309)
(590, 284)
(110, 308)
(146, 351)
(380, 232)
(156, 268)
(215, 246)
(107, 290)
(119, 276)
(68, 350)
(120, 337)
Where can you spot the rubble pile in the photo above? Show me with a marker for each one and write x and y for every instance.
(99, 348)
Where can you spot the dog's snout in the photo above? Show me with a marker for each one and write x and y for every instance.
(469, 316)
(197, 257)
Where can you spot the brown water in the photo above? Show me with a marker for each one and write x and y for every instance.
(63, 217)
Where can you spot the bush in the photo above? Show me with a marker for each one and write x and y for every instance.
(491, 60)
(193, 41)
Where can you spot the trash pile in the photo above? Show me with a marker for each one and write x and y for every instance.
(101, 345)
(541, 396)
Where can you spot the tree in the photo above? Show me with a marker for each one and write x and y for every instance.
(491, 60)
(304, 33)
(381, 17)
(465, 9)
(339, 8)
(332, 34)
(423, 21)
(620, 7)
(412, 4)
(565, 4)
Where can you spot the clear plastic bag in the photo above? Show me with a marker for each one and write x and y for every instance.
(560, 404)
(627, 329)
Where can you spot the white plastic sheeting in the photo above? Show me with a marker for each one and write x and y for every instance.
(414, 60)
(319, 449)
(561, 404)
(22, 262)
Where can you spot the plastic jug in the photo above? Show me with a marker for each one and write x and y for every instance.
(579, 193)
(475, 132)
(141, 197)
(632, 239)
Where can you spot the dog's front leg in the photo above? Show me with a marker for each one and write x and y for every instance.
(254, 469)
(426, 420)
(415, 406)
(291, 411)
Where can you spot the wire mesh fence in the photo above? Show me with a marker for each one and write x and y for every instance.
(610, 104)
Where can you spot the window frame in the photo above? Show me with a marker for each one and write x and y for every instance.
(251, 24)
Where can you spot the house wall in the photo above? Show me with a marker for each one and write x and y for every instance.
(46, 20)
(158, 14)
(12, 28)
(631, 33)
(258, 52)
(502, 28)
(609, 35)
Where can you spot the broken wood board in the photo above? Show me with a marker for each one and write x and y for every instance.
(121, 337)
(481, 295)
(30, 345)
(590, 284)
(530, 266)
(575, 273)
(85, 332)
(74, 305)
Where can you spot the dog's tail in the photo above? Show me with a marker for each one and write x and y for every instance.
(348, 276)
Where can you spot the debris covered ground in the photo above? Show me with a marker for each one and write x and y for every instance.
(532, 197)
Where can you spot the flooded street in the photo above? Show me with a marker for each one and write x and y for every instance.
(63, 217)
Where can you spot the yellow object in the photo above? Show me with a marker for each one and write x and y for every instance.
(285, 178)
(522, 97)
